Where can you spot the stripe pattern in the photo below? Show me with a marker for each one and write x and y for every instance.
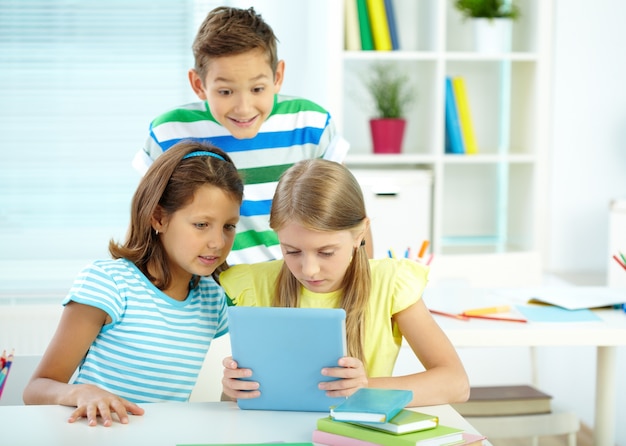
(154, 347)
(296, 129)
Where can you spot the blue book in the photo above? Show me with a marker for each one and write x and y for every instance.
(453, 126)
(391, 22)
(372, 405)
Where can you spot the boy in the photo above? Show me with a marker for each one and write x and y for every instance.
(238, 76)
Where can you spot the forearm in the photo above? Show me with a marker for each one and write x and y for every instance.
(49, 391)
(438, 385)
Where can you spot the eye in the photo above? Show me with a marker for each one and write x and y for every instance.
(230, 228)
(200, 225)
(224, 92)
(292, 252)
(327, 253)
(258, 89)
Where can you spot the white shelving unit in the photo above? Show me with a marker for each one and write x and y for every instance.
(487, 209)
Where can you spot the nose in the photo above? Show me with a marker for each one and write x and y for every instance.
(310, 266)
(216, 239)
(243, 103)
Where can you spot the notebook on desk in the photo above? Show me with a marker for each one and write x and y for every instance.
(286, 348)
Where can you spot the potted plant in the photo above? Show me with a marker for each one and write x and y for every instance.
(493, 20)
(391, 93)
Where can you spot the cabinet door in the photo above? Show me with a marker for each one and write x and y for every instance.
(398, 202)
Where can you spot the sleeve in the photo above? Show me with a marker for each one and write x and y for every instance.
(410, 281)
(147, 154)
(96, 287)
(335, 146)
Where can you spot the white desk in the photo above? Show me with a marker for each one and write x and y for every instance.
(605, 335)
(169, 424)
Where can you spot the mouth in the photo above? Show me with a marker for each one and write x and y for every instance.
(243, 122)
(209, 260)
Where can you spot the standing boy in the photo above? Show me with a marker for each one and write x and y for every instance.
(238, 76)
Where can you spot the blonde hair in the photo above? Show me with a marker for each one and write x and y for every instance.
(323, 195)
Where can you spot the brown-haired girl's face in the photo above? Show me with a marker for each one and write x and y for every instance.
(318, 260)
(199, 236)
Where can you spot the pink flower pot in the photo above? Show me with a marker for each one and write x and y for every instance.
(387, 134)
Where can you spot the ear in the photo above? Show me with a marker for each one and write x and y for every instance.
(361, 237)
(159, 220)
(279, 76)
(197, 84)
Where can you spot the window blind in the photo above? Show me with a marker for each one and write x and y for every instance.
(79, 83)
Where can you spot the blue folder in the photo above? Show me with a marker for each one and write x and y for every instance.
(286, 348)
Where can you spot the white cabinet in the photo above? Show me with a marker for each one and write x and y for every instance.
(487, 209)
(398, 203)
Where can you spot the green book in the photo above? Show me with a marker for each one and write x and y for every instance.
(438, 436)
(367, 41)
(404, 422)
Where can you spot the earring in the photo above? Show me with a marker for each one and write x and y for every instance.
(156, 232)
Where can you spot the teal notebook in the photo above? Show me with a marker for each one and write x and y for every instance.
(372, 405)
(438, 436)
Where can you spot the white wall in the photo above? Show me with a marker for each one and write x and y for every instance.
(588, 163)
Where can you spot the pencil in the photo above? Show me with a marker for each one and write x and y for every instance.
(496, 318)
(487, 310)
(423, 249)
(452, 315)
(623, 265)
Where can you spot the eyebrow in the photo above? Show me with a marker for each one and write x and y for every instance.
(321, 248)
(254, 79)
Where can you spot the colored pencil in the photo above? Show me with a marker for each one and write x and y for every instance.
(496, 318)
(623, 265)
(452, 315)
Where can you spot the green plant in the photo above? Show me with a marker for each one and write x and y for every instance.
(390, 90)
(488, 9)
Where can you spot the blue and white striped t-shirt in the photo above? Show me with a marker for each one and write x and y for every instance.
(155, 345)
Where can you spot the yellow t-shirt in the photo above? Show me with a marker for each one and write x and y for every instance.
(396, 285)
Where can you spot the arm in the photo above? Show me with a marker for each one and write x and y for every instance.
(444, 380)
(78, 327)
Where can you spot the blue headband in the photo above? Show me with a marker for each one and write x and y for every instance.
(204, 153)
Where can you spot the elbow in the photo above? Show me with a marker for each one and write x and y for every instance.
(462, 389)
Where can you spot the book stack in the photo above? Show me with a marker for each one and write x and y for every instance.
(491, 401)
(460, 136)
(370, 25)
(378, 417)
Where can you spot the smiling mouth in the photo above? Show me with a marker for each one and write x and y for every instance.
(243, 121)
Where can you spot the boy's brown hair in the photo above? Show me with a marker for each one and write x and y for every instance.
(228, 31)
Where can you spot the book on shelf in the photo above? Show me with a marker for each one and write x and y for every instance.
(504, 400)
(372, 405)
(453, 128)
(365, 29)
(465, 117)
(403, 422)
(380, 26)
(438, 436)
(352, 33)
(391, 23)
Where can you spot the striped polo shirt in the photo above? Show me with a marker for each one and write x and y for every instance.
(154, 347)
(296, 129)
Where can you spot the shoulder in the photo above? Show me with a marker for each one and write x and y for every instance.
(242, 271)
(398, 268)
(294, 104)
(193, 111)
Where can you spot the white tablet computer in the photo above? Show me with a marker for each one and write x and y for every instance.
(286, 348)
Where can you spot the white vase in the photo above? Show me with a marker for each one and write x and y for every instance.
(492, 35)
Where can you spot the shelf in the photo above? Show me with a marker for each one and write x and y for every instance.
(483, 204)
